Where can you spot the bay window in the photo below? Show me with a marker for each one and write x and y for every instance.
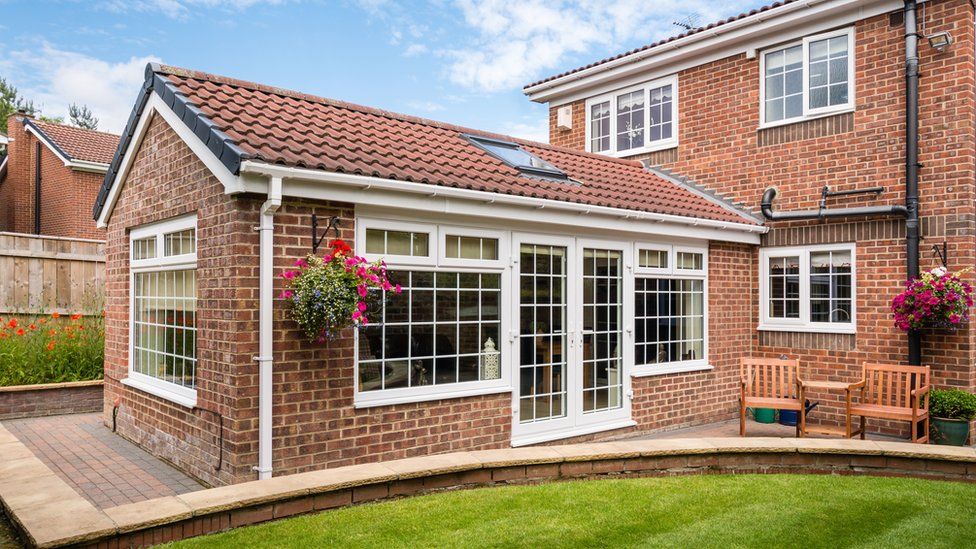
(812, 77)
(162, 352)
(634, 120)
(808, 289)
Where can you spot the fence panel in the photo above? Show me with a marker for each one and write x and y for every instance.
(43, 274)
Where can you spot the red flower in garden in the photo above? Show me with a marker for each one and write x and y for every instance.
(50, 346)
(20, 332)
(12, 323)
(76, 316)
(55, 315)
(33, 326)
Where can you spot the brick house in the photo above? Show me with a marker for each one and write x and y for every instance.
(51, 176)
(551, 292)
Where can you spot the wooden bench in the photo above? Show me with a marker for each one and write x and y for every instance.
(770, 383)
(899, 393)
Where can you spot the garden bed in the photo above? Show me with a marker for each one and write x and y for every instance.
(55, 348)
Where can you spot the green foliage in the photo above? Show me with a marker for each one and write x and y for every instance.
(690, 511)
(11, 102)
(324, 297)
(82, 117)
(952, 404)
(42, 348)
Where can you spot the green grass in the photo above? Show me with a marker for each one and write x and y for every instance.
(692, 511)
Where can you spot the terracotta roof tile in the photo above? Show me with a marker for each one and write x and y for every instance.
(79, 143)
(294, 129)
(665, 41)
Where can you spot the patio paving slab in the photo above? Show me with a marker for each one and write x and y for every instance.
(104, 468)
(723, 429)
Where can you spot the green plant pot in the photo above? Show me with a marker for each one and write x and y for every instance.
(949, 432)
(764, 415)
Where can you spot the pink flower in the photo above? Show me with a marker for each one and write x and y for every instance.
(362, 290)
(301, 263)
(287, 294)
(954, 318)
(361, 306)
(288, 275)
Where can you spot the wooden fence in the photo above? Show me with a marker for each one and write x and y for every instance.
(44, 274)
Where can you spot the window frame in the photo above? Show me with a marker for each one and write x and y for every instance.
(437, 263)
(803, 324)
(362, 224)
(808, 113)
(611, 97)
(183, 396)
(672, 273)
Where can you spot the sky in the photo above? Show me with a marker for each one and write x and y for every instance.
(463, 61)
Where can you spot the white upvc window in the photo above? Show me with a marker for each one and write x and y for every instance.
(808, 289)
(806, 79)
(443, 336)
(670, 309)
(634, 120)
(163, 304)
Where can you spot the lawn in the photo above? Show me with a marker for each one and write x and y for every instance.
(691, 511)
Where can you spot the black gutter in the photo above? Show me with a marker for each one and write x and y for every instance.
(911, 162)
(37, 187)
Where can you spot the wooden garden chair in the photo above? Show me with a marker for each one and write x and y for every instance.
(899, 393)
(770, 383)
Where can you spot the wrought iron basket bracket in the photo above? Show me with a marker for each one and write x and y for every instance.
(942, 253)
(316, 237)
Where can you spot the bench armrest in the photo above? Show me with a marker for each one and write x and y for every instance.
(858, 385)
(917, 395)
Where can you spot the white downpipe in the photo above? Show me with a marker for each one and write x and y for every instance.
(265, 356)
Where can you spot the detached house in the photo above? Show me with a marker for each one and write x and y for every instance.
(50, 177)
(605, 284)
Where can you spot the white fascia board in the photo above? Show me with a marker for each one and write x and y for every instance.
(232, 184)
(422, 197)
(87, 166)
(754, 32)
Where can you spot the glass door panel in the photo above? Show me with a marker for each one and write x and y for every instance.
(542, 333)
(602, 332)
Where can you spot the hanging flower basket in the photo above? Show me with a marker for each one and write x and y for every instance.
(338, 291)
(936, 299)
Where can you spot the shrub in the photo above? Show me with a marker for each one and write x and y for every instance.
(952, 404)
(52, 348)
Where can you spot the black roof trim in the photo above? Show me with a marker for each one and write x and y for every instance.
(217, 141)
(30, 123)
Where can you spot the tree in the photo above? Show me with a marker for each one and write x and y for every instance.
(82, 117)
(11, 102)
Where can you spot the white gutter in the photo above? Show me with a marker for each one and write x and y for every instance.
(265, 356)
(378, 183)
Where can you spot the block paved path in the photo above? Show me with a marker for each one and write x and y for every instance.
(101, 466)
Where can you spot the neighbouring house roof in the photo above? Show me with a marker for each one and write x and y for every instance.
(241, 121)
(76, 144)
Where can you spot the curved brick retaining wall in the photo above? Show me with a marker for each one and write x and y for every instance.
(172, 518)
(50, 399)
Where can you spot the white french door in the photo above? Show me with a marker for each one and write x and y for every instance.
(570, 337)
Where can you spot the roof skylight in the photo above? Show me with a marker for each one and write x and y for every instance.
(517, 157)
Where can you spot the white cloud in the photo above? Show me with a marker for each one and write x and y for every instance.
(536, 131)
(54, 79)
(414, 50)
(516, 41)
(425, 106)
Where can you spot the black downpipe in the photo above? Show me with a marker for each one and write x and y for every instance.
(37, 188)
(770, 195)
(911, 161)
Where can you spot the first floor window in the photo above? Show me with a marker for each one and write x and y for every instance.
(633, 120)
(670, 320)
(813, 76)
(600, 127)
(164, 306)
(443, 328)
(808, 288)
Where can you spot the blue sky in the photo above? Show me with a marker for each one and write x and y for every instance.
(463, 61)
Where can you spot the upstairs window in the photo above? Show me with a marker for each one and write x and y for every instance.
(812, 77)
(634, 120)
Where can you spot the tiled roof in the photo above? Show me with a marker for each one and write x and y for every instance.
(78, 143)
(687, 33)
(287, 128)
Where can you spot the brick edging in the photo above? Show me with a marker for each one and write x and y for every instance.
(206, 511)
(74, 397)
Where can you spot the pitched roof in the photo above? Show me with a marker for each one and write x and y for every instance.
(246, 121)
(685, 34)
(78, 143)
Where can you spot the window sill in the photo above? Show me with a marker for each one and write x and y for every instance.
(372, 401)
(578, 432)
(781, 123)
(808, 328)
(648, 371)
(161, 392)
(643, 150)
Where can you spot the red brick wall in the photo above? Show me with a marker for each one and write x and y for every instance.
(50, 399)
(67, 196)
(722, 148)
